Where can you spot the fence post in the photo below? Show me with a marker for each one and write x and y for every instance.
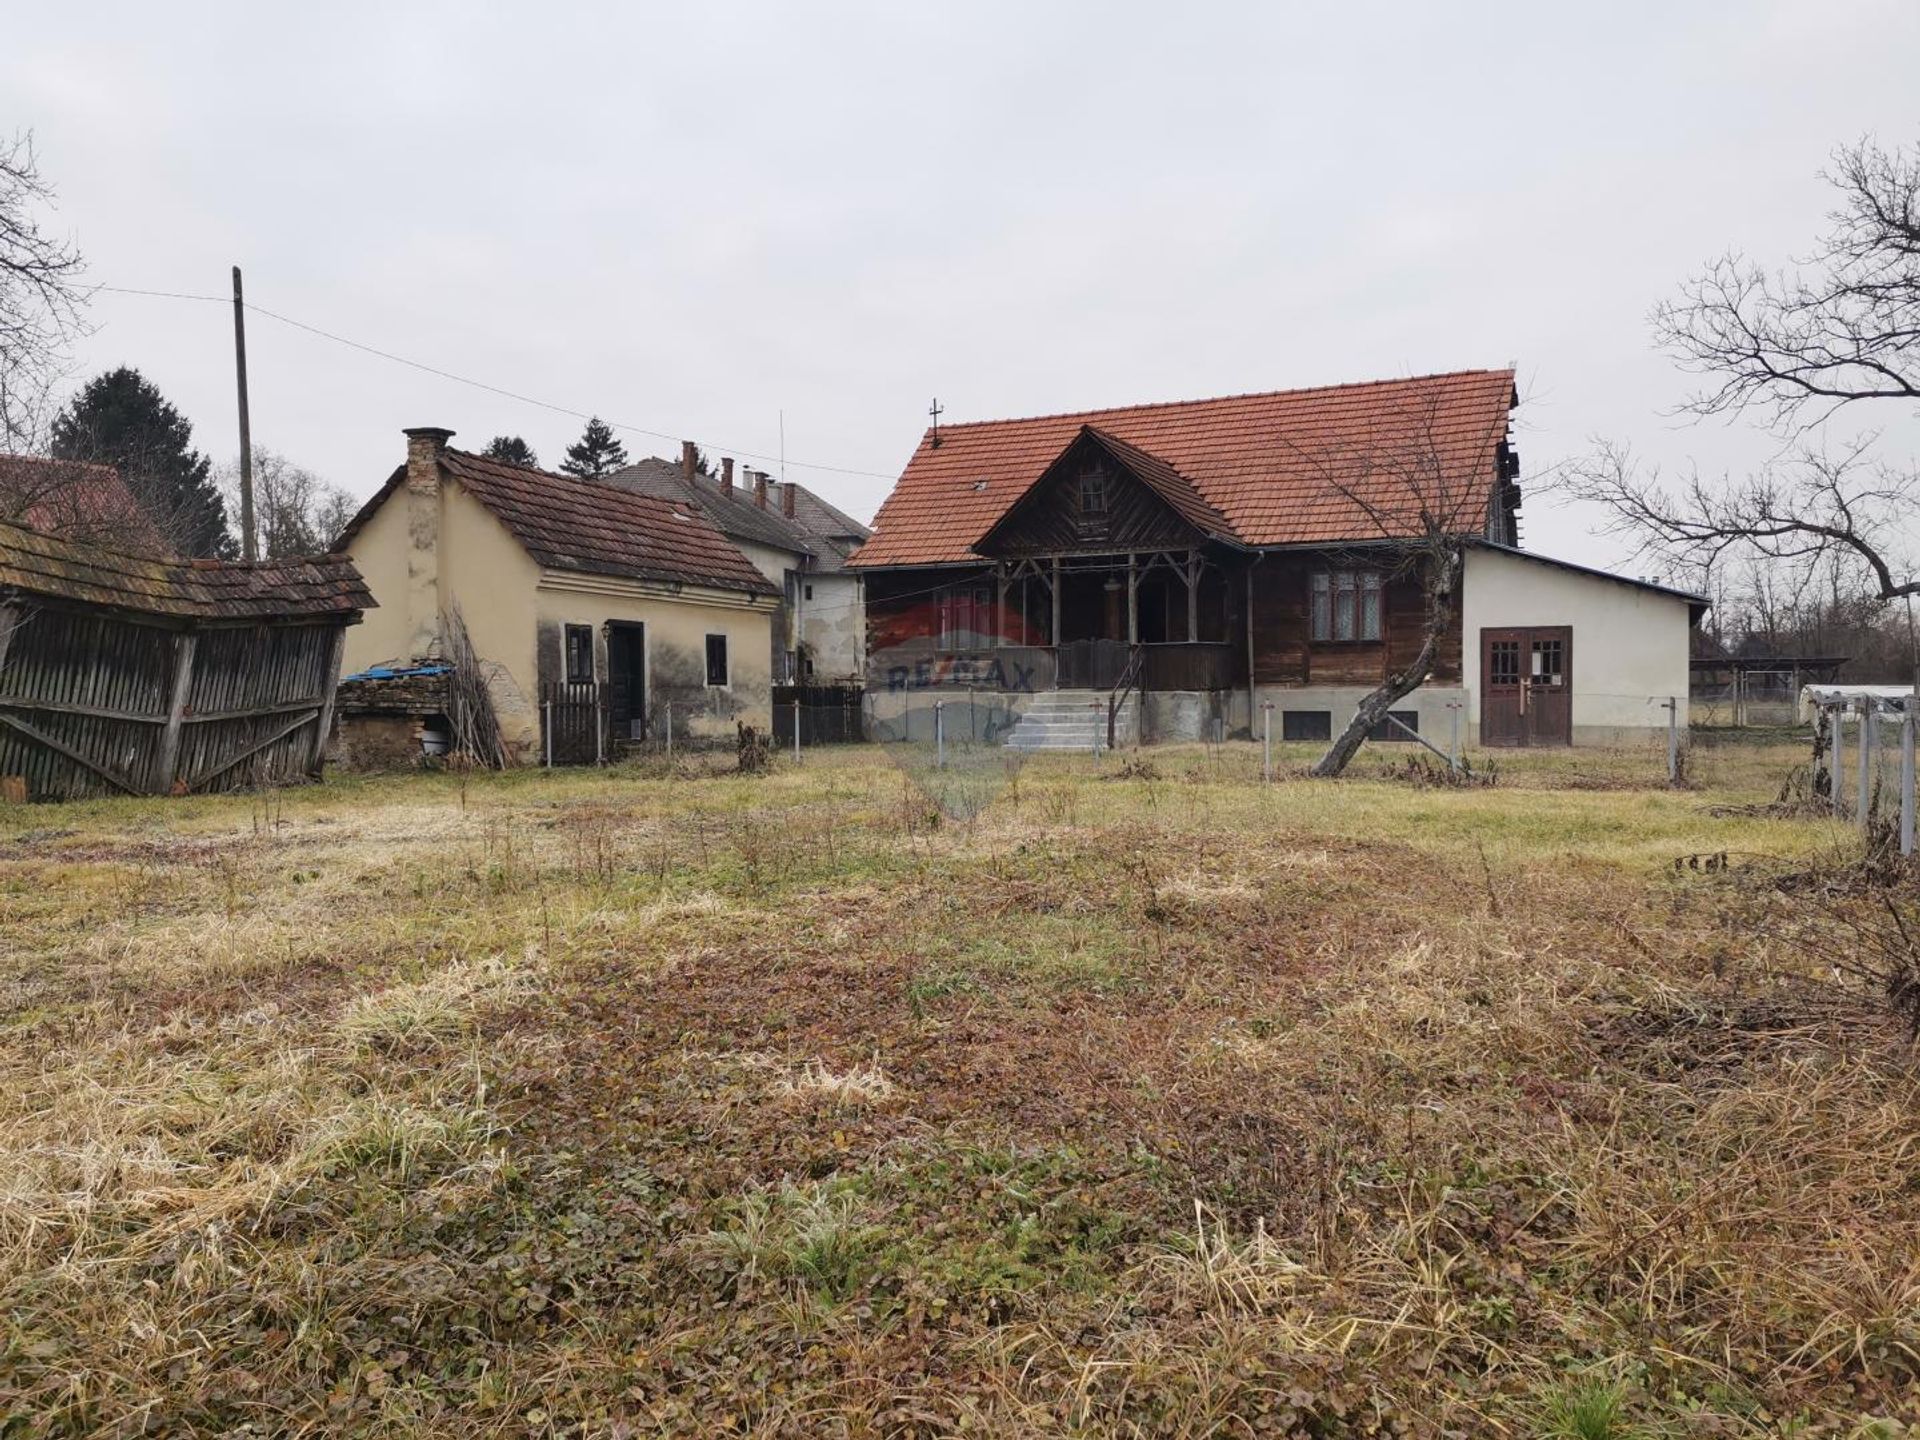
(1673, 739)
(1906, 777)
(1095, 707)
(940, 733)
(599, 730)
(1453, 741)
(1266, 721)
(1837, 719)
(669, 710)
(1867, 727)
(546, 707)
(796, 727)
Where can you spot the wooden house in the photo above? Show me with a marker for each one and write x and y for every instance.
(1197, 562)
(129, 674)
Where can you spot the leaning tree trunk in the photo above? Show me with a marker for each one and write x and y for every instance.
(1439, 576)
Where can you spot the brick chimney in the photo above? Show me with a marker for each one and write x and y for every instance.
(726, 476)
(425, 445)
(689, 460)
(760, 488)
(786, 501)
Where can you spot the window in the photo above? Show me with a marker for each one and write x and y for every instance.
(1306, 724)
(809, 592)
(1346, 605)
(1093, 502)
(579, 654)
(1503, 662)
(1547, 666)
(716, 659)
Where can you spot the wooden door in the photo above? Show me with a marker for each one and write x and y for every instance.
(1526, 686)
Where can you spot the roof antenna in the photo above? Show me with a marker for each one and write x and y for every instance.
(935, 412)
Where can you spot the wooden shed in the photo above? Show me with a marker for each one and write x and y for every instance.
(123, 673)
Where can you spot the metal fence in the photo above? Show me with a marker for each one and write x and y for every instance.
(1877, 780)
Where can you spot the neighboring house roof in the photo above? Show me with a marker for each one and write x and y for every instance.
(78, 500)
(834, 534)
(48, 565)
(738, 518)
(583, 525)
(1287, 467)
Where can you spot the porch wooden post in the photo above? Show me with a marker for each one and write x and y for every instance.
(999, 604)
(1055, 632)
(1251, 694)
(1193, 597)
(1133, 601)
(176, 710)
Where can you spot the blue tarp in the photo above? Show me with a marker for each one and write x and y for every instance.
(397, 672)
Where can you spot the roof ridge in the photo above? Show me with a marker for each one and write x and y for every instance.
(1238, 395)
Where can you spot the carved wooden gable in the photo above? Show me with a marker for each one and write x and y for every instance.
(1090, 499)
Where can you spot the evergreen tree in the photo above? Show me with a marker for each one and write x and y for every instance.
(119, 419)
(597, 453)
(511, 450)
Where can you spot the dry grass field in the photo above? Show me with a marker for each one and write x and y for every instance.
(1147, 1100)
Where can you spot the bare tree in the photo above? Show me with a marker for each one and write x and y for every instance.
(1426, 491)
(1843, 326)
(1794, 346)
(296, 511)
(40, 297)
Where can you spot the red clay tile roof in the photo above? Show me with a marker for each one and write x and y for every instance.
(48, 565)
(589, 526)
(75, 499)
(1287, 467)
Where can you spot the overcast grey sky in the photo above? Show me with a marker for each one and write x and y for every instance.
(691, 218)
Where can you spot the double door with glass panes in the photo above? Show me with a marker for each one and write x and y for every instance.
(1526, 686)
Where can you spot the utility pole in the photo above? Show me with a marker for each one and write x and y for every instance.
(249, 549)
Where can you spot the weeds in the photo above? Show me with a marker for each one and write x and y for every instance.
(796, 1104)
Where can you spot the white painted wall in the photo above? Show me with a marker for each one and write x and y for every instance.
(1630, 644)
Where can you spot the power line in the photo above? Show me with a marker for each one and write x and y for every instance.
(514, 395)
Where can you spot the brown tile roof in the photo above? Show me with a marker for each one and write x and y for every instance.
(35, 564)
(75, 499)
(569, 524)
(588, 526)
(1287, 467)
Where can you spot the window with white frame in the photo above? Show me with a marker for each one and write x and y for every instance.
(1346, 605)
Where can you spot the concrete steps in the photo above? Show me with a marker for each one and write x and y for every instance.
(1072, 720)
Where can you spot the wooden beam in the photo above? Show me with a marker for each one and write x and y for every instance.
(1133, 602)
(999, 603)
(60, 747)
(183, 647)
(91, 712)
(336, 649)
(1193, 597)
(1055, 633)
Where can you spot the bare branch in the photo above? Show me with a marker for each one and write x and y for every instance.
(40, 297)
(1841, 327)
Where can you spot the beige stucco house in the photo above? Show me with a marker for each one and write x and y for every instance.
(560, 582)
